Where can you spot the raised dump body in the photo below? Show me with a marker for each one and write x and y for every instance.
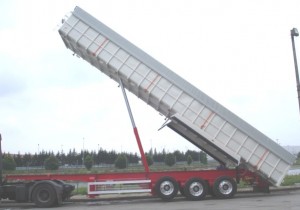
(191, 113)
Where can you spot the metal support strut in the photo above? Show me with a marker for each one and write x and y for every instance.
(135, 131)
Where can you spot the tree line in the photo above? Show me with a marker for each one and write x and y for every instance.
(71, 158)
(100, 157)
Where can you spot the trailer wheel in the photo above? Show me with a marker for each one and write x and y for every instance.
(224, 187)
(195, 189)
(44, 196)
(166, 188)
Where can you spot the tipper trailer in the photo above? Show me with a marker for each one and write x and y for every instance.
(190, 112)
(253, 156)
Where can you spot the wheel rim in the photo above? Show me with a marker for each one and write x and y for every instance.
(196, 189)
(166, 188)
(43, 196)
(225, 187)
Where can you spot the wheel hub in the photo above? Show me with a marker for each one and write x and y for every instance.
(196, 189)
(167, 188)
(44, 195)
(225, 187)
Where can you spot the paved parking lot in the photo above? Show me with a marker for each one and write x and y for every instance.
(282, 200)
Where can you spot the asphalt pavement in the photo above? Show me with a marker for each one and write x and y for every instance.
(280, 198)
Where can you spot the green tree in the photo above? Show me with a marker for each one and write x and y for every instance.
(121, 162)
(179, 155)
(51, 163)
(8, 163)
(194, 154)
(18, 159)
(149, 160)
(189, 160)
(170, 159)
(203, 157)
(88, 162)
(27, 159)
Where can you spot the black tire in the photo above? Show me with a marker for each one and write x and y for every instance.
(166, 188)
(195, 189)
(44, 196)
(224, 187)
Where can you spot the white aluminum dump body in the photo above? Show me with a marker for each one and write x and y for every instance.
(192, 113)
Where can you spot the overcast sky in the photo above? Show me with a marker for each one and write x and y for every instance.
(238, 52)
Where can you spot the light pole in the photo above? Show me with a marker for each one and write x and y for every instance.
(98, 155)
(83, 151)
(294, 32)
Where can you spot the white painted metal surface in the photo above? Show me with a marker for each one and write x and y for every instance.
(118, 187)
(192, 113)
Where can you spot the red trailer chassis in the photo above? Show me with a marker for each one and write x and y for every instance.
(195, 185)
